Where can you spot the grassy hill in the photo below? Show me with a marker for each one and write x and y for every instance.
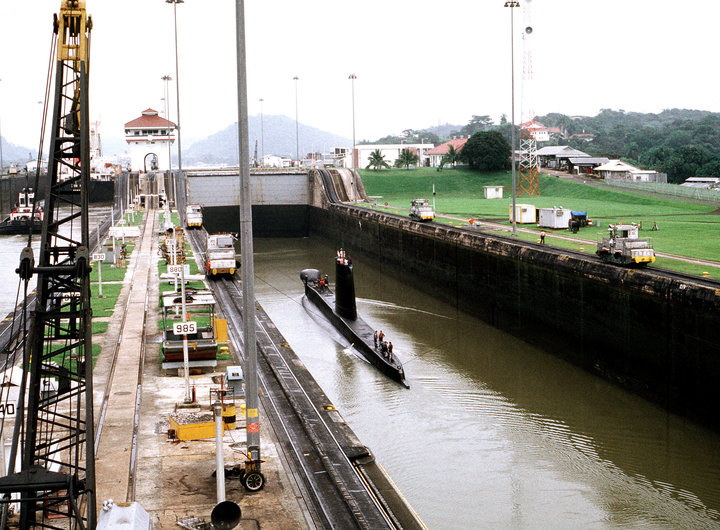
(686, 228)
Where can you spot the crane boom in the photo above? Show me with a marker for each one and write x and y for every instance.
(54, 429)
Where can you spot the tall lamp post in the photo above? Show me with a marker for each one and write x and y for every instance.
(297, 127)
(167, 79)
(262, 131)
(512, 4)
(2, 165)
(177, 86)
(253, 478)
(352, 78)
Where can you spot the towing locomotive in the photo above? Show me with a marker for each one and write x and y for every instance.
(623, 246)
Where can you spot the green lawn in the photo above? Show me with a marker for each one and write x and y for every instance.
(189, 260)
(103, 307)
(110, 273)
(686, 229)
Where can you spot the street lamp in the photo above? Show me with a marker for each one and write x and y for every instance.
(352, 78)
(2, 165)
(177, 85)
(297, 127)
(512, 4)
(262, 132)
(167, 79)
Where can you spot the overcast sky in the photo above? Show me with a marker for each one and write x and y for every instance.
(417, 63)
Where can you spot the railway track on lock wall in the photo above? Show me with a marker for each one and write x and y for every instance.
(564, 252)
(316, 447)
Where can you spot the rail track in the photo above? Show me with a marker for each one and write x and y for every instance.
(558, 251)
(325, 457)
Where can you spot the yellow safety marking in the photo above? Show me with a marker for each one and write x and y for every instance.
(252, 413)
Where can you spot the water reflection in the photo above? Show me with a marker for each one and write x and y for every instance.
(493, 432)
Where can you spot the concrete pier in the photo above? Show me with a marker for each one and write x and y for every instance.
(173, 479)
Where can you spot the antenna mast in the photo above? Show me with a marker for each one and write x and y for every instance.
(528, 166)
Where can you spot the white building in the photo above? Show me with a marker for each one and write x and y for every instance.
(621, 170)
(391, 152)
(554, 217)
(702, 182)
(150, 138)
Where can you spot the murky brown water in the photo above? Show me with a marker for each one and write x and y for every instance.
(493, 433)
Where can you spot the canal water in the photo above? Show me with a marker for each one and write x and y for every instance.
(493, 433)
(10, 248)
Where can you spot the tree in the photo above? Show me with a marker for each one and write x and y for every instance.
(406, 159)
(376, 161)
(487, 150)
(451, 157)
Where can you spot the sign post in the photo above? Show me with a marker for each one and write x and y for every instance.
(99, 258)
(184, 327)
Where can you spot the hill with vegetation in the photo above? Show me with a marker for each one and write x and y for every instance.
(679, 142)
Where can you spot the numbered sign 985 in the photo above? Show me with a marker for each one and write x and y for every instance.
(185, 328)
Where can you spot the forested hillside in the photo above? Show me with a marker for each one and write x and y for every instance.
(681, 143)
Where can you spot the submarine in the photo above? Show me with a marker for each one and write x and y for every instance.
(340, 309)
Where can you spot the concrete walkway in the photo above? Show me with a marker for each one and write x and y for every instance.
(114, 451)
(174, 480)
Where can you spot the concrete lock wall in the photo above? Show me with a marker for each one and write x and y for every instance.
(655, 336)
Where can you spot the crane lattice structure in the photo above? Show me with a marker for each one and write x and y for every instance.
(54, 430)
(528, 166)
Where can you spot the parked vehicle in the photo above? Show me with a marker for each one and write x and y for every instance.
(220, 255)
(193, 216)
(420, 210)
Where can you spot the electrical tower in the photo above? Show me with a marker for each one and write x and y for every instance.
(528, 166)
(54, 428)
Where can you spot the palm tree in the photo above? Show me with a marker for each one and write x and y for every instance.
(406, 159)
(376, 160)
(451, 157)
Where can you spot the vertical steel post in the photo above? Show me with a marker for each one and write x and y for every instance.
(512, 4)
(246, 247)
(352, 78)
(219, 456)
(297, 126)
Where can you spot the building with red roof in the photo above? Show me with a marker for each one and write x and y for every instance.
(150, 138)
(436, 153)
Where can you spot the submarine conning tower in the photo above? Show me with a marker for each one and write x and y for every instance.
(344, 287)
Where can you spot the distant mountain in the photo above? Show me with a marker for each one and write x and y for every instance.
(279, 139)
(16, 154)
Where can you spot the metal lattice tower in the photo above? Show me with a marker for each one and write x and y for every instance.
(54, 426)
(528, 166)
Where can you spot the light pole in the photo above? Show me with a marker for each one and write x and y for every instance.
(352, 78)
(512, 4)
(177, 85)
(262, 131)
(246, 254)
(2, 165)
(297, 127)
(167, 79)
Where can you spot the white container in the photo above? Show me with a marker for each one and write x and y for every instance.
(524, 213)
(554, 217)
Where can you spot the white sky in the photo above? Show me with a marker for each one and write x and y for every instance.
(417, 63)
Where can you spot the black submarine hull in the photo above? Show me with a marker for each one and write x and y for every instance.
(356, 331)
